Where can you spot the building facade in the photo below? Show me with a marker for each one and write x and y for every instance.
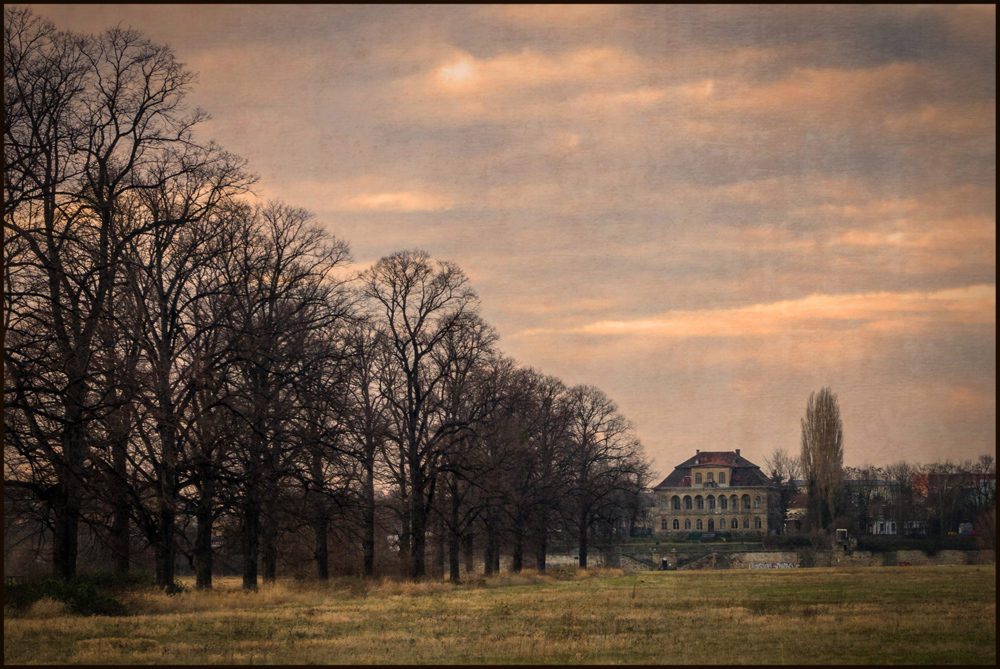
(714, 491)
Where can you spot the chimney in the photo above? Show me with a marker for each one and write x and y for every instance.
(697, 451)
(737, 452)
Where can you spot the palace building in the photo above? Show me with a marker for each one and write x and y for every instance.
(714, 491)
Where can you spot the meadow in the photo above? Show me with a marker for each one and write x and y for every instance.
(917, 615)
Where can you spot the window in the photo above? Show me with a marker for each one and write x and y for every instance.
(663, 524)
(697, 477)
(722, 523)
(699, 502)
(677, 524)
(735, 501)
(687, 502)
(710, 477)
(746, 523)
(698, 525)
(711, 503)
(746, 502)
(756, 502)
(677, 503)
(734, 524)
(722, 477)
(723, 503)
(687, 524)
(756, 523)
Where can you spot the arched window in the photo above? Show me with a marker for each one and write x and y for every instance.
(698, 525)
(756, 502)
(711, 503)
(734, 524)
(677, 524)
(722, 523)
(677, 503)
(699, 502)
(746, 523)
(687, 524)
(722, 477)
(687, 502)
(723, 502)
(756, 523)
(710, 477)
(735, 502)
(697, 477)
(746, 502)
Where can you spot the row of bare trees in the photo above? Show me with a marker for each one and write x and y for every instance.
(177, 356)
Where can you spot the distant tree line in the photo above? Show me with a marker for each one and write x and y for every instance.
(180, 358)
(901, 498)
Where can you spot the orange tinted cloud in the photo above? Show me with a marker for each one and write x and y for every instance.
(883, 310)
(404, 201)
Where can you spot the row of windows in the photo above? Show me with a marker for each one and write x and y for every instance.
(709, 477)
(724, 502)
(699, 525)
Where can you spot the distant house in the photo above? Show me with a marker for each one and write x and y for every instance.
(796, 511)
(713, 491)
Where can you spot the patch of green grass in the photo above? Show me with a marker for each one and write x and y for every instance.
(807, 616)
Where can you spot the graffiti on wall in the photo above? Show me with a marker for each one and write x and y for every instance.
(774, 565)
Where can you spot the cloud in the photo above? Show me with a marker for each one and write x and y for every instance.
(881, 311)
(557, 16)
(968, 233)
(405, 201)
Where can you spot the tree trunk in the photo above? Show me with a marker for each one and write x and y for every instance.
(167, 512)
(322, 552)
(269, 546)
(543, 542)
(439, 548)
(369, 519)
(418, 518)
(582, 529)
(454, 539)
(70, 478)
(251, 541)
(203, 539)
(488, 558)
(517, 559)
(470, 558)
(321, 520)
(121, 548)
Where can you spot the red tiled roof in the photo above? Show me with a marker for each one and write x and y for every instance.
(742, 471)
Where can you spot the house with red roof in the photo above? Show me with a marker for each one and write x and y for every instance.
(713, 491)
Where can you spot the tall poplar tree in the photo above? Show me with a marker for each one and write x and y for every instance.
(823, 458)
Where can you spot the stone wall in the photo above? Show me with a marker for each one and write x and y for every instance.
(827, 558)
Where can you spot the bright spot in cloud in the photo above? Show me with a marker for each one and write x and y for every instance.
(458, 75)
(405, 201)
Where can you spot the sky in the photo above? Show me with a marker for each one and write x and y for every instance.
(707, 212)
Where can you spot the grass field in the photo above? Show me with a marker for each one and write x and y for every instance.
(878, 615)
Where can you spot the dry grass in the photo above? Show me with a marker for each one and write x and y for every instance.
(877, 615)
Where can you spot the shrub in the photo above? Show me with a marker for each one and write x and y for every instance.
(929, 545)
(789, 541)
(82, 595)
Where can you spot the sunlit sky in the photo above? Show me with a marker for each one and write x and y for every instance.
(707, 212)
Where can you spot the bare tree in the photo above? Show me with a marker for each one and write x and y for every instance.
(823, 458)
(604, 460)
(91, 121)
(419, 303)
(783, 471)
(287, 294)
(902, 503)
(864, 495)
